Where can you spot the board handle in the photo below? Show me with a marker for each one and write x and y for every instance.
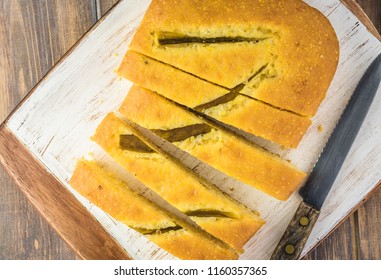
(296, 235)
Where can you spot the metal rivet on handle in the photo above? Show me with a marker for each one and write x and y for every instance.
(289, 249)
(304, 221)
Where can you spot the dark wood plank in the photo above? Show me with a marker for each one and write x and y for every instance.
(103, 6)
(80, 230)
(23, 233)
(369, 221)
(33, 36)
(340, 245)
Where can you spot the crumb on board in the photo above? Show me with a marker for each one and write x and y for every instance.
(320, 128)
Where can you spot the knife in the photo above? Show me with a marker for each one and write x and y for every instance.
(324, 174)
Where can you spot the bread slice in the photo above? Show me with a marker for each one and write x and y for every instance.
(210, 208)
(224, 151)
(167, 231)
(226, 42)
(226, 106)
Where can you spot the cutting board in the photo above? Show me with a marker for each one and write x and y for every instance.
(42, 139)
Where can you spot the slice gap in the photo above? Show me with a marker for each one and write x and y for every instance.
(171, 38)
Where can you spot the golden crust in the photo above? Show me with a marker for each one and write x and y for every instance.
(298, 39)
(177, 185)
(92, 182)
(152, 111)
(169, 81)
(245, 113)
(231, 155)
(190, 247)
(257, 118)
(118, 200)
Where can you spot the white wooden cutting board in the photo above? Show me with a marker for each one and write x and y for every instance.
(57, 119)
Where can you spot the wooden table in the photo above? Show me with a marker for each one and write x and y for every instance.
(34, 34)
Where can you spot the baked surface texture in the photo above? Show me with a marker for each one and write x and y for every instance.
(170, 233)
(240, 111)
(261, 66)
(284, 51)
(209, 207)
(225, 152)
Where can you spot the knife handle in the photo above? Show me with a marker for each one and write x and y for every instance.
(294, 239)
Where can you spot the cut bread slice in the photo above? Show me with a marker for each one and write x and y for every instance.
(229, 107)
(162, 228)
(226, 42)
(206, 205)
(224, 151)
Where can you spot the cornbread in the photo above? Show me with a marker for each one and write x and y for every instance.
(200, 69)
(291, 44)
(170, 233)
(240, 111)
(210, 208)
(225, 152)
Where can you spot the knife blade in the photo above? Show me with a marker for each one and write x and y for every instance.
(319, 183)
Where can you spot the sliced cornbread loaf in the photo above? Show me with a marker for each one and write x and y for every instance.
(291, 44)
(225, 152)
(170, 233)
(211, 209)
(229, 107)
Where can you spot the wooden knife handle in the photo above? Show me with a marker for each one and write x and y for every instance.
(292, 243)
